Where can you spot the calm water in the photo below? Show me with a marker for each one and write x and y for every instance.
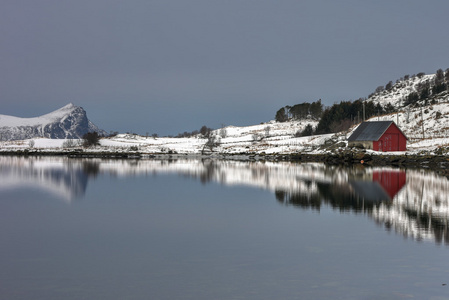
(123, 229)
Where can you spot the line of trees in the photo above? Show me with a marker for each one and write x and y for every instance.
(341, 116)
(300, 111)
(338, 117)
(204, 131)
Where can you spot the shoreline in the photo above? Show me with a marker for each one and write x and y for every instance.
(434, 162)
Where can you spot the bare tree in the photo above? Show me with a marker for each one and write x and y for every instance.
(257, 137)
(267, 131)
(212, 142)
(91, 139)
(407, 114)
(223, 131)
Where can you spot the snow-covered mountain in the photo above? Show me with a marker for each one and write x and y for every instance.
(68, 122)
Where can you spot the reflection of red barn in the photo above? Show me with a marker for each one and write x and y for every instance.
(391, 181)
(379, 136)
(380, 186)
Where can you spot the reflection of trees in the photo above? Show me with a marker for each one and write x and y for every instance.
(339, 196)
(414, 224)
(300, 199)
(437, 226)
(411, 203)
(419, 209)
(91, 168)
(209, 172)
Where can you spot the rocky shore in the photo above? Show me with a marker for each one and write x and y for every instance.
(347, 157)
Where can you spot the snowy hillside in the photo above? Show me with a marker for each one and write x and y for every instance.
(425, 120)
(398, 93)
(422, 125)
(271, 137)
(69, 121)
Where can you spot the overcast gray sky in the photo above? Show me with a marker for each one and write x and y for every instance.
(170, 66)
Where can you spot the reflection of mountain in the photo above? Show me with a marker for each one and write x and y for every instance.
(63, 177)
(412, 203)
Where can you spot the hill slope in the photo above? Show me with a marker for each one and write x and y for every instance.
(423, 88)
(422, 108)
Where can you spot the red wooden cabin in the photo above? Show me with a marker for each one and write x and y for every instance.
(379, 136)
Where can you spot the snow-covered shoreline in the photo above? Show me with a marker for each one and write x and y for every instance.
(335, 156)
(426, 127)
(270, 138)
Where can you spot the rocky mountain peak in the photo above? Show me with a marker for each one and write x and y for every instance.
(68, 122)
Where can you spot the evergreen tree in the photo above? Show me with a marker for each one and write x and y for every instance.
(316, 109)
(339, 116)
(205, 131)
(389, 108)
(412, 98)
(436, 89)
(308, 131)
(439, 77)
(281, 115)
(425, 92)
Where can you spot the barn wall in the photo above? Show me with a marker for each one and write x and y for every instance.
(392, 140)
(362, 144)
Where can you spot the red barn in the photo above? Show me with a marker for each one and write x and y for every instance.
(379, 136)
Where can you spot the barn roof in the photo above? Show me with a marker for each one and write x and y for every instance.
(370, 190)
(370, 131)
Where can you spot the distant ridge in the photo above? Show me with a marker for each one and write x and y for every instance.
(68, 122)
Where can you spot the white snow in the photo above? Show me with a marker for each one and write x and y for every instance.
(11, 121)
(400, 91)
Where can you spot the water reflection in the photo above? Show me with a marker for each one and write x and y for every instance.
(356, 189)
(413, 203)
(65, 178)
